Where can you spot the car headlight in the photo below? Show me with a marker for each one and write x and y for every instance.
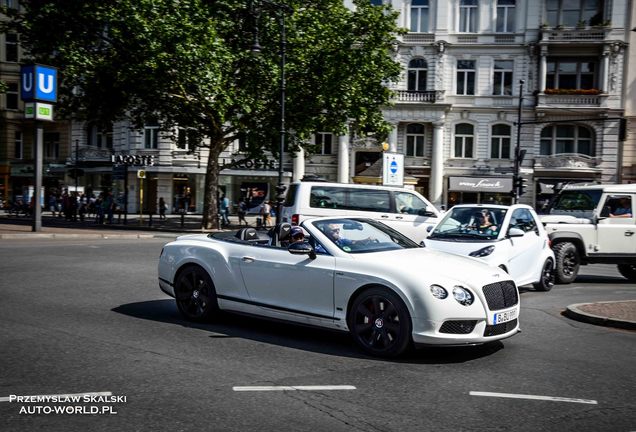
(439, 292)
(483, 251)
(463, 296)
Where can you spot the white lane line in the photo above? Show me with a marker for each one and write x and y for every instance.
(288, 388)
(535, 397)
(55, 396)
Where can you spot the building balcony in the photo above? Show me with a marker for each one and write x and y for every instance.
(411, 96)
(574, 35)
(564, 100)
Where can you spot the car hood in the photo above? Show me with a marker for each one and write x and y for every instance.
(566, 219)
(437, 266)
(457, 247)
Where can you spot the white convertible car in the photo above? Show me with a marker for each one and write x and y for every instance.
(349, 274)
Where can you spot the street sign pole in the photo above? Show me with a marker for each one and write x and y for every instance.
(37, 176)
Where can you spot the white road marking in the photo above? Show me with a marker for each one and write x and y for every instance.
(60, 396)
(535, 397)
(288, 388)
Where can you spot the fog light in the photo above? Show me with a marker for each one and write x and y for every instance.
(463, 296)
(439, 292)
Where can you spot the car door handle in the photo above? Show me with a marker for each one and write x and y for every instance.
(384, 216)
(629, 233)
(399, 217)
(248, 259)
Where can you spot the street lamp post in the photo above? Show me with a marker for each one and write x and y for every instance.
(519, 155)
(281, 9)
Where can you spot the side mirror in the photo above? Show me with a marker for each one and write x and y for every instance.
(515, 232)
(429, 228)
(302, 248)
(426, 212)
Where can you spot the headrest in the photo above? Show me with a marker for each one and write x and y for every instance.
(284, 230)
(247, 234)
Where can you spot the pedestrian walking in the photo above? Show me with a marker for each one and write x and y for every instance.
(162, 208)
(224, 210)
(52, 204)
(266, 214)
(242, 211)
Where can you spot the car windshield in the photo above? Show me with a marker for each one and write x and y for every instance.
(576, 200)
(466, 223)
(363, 235)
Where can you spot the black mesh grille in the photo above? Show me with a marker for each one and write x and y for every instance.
(498, 329)
(458, 327)
(501, 295)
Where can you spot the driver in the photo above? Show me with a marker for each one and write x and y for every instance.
(484, 222)
(334, 233)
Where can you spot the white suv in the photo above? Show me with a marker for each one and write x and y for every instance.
(593, 224)
(509, 237)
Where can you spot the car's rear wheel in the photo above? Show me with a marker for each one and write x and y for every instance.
(628, 270)
(380, 323)
(547, 277)
(195, 294)
(567, 262)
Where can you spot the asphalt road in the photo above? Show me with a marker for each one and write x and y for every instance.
(87, 316)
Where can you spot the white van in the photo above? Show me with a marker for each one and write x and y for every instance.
(403, 210)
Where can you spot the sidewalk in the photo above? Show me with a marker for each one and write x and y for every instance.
(621, 314)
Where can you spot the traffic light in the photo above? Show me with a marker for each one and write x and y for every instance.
(521, 185)
(280, 192)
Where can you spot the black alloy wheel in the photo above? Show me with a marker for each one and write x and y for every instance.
(547, 277)
(380, 323)
(567, 262)
(195, 294)
(628, 270)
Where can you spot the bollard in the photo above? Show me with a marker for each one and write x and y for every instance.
(182, 219)
(150, 219)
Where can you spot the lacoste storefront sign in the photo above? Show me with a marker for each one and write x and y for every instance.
(132, 159)
(480, 184)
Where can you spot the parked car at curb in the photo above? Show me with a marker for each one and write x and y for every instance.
(593, 223)
(350, 274)
(509, 237)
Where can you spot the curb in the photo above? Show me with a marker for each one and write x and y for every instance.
(76, 236)
(574, 311)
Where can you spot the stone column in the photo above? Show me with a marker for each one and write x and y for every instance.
(437, 165)
(543, 70)
(393, 137)
(604, 82)
(343, 159)
(299, 165)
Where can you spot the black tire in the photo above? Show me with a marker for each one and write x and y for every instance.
(380, 323)
(547, 277)
(568, 262)
(628, 270)
(195, 294)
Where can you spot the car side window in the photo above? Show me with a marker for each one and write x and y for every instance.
(618, 206)
(523, 219)
(408, 203)
(350, 199)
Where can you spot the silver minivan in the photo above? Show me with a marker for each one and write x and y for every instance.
(402, 209)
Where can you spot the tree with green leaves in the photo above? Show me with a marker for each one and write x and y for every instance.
(187, 63)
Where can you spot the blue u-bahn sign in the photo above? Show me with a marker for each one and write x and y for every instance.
(38, 83)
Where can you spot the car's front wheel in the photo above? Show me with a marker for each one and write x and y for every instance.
(628, 270)
(195, 294)
(380, 323)
(567, 262)
(546, 282)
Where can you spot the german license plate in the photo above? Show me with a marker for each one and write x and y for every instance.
(502, 317)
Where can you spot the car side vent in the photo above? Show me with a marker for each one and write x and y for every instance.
(501, 295)
(458, 327)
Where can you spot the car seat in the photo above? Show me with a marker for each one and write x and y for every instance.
(248, 234)
(281, 235)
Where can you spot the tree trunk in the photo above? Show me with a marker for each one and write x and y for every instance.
(210, 202)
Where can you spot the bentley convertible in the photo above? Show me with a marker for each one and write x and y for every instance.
(348, 274)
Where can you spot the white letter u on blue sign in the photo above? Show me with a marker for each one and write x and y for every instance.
(49, 87)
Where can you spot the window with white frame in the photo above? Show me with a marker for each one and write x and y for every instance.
(324, 142)
(11, 47)
(12, 96)
(505, 16)
(571, 73)
(51, 145)
(417, 73)
(465, 77)
(468, 11)
(419, 16)
(187, 140)
(573, 13)
(18, 143)
(502, 78)
(415, 138)
(464, 140)
(500, 141)
(151, 136)
(559, 139)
